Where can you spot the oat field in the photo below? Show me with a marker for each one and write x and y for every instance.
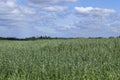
(60, 59)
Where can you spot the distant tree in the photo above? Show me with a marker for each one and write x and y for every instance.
(111, 37)
(99, 37)
(90, 38)
(118, 37)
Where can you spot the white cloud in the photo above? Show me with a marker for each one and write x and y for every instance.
(11, 4)
(55, 8)
(54, 19)
(97, 21)
(19, 20)
(90, 11)
(14, 18)
(44, 3)
(49, 1)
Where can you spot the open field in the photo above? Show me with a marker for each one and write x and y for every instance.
(60, 59)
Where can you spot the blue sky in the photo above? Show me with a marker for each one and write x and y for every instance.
(59, 18)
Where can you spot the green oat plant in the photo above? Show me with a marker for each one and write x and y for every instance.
(60, 59)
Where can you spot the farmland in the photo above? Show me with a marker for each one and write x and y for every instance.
(60, 59)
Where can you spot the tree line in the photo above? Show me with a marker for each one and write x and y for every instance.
(29, 38)
(48, 37)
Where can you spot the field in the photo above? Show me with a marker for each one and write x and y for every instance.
(60, 59)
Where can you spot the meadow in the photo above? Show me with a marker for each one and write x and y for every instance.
(60, 59)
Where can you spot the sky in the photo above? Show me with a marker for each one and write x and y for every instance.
(59, 18)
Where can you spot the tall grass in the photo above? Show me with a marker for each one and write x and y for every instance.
(60, 59)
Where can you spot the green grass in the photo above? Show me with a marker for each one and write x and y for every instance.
(60, 59)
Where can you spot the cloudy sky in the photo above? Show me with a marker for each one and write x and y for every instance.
(59, 18)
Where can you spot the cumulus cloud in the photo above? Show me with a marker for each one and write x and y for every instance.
(97, 21)
(55, 8)
(14, 18)
(22, 21)
(49, 1)
(90, 11)
(53, 19)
